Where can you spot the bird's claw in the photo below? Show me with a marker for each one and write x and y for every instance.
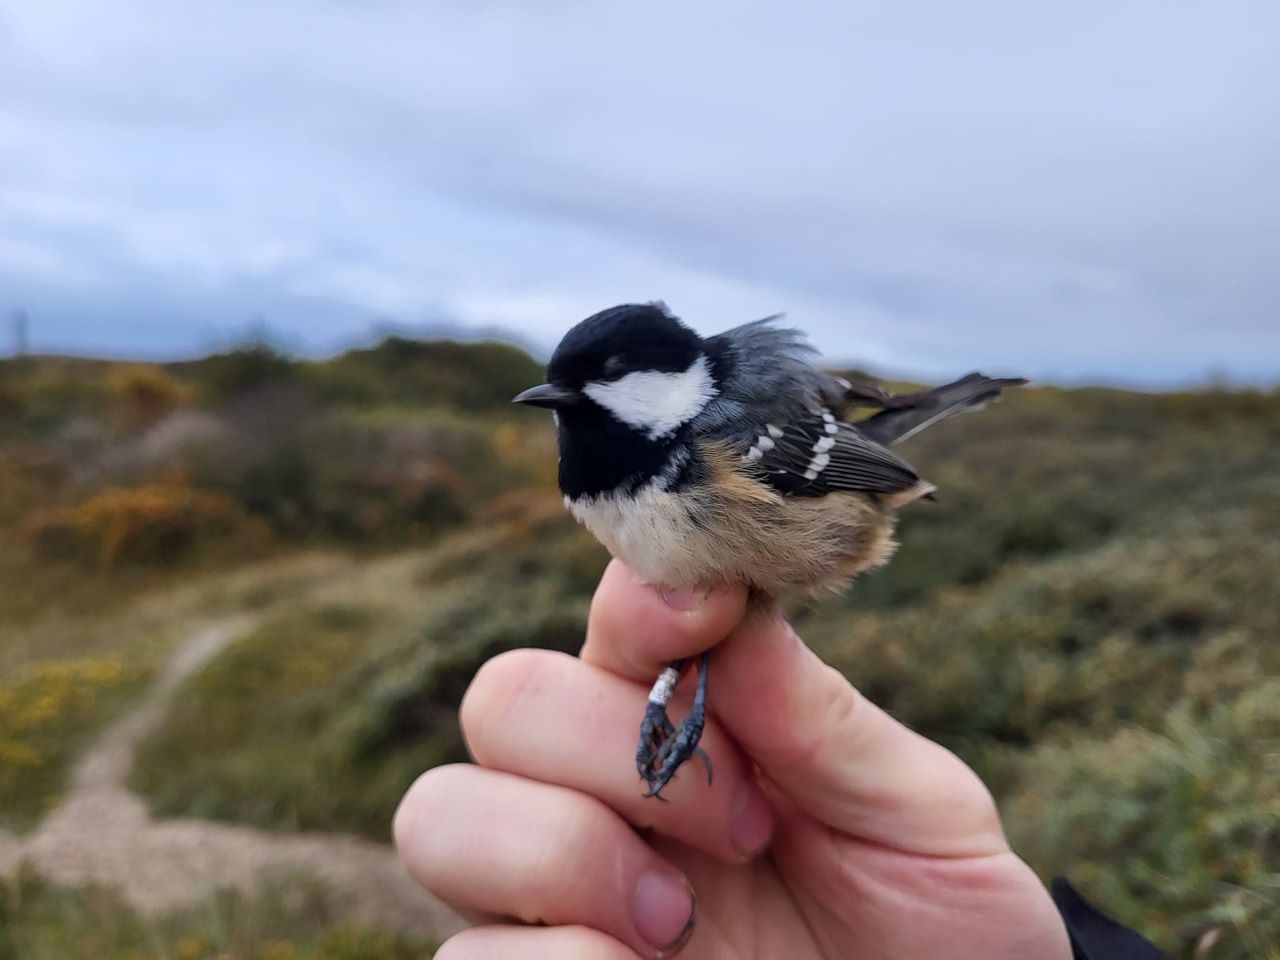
(656, 731)
(664, 748)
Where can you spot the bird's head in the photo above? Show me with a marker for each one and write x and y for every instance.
(634, 366)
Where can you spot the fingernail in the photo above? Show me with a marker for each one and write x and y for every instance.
(683, 598)
(750, 820)
(663, 910)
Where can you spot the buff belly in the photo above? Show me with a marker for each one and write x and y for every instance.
(651, 532)
(776, 544)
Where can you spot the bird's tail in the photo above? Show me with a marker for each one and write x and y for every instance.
(910, 413)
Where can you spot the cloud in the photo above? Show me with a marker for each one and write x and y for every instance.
(1076, 192)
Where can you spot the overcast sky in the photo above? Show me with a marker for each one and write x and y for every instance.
(1075, 191)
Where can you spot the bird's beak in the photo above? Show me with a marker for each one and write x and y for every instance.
(548, 395)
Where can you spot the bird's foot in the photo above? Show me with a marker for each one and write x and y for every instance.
(676, 747)
(656, 731)
(664, 747)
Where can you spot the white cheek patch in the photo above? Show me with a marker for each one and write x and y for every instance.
(656, 402)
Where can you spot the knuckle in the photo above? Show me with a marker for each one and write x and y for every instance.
(836, 712)
(973, 806)
(845, 707)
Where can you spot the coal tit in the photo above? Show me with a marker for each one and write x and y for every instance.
(728, 459)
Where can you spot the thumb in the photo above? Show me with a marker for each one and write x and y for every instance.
(836, 755)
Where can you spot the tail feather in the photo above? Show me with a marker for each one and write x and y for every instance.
(911, 413)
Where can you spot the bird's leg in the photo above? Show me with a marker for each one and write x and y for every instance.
(676, 746)
(656, 728)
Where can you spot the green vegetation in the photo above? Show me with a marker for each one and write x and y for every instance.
(360, 693)
(1194, 806)
(47, 712)
(149, 524)
(295, 921)
(130, 492)
(1117, 703)
(1088, 615)
(398, 371)
(1085, 644)
(1051, 472)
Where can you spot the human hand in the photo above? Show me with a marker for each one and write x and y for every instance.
(830, 830)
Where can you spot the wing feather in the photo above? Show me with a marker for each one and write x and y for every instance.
(775, 409)
(817, 454)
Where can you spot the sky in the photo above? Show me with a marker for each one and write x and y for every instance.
(1083, 192)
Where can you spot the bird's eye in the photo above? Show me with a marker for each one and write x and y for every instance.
(615, 367)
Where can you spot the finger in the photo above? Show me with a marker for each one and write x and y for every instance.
(553, 718)
(492, 842)
(661, 623)
(839, 757)
(533, 943)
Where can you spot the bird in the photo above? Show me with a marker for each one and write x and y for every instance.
(729, 459)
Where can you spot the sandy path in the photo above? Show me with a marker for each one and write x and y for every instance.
(104, 834)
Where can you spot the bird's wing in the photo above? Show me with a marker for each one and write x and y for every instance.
(774, 409)
(763, 370)
(908, 414)
(816, 454)
(767, 369)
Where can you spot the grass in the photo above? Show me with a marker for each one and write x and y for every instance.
(1088, 614)
(47, 713)
(83, 654)
(296, 920)
(356, 687)
(273, 704)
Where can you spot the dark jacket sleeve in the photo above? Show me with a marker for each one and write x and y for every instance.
(1094, 935)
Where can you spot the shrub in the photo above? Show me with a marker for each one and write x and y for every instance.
(148, 525)
(222, 377)
(1092, 642)
(1050, 472)
(46, 712)
(402, 477)
(144, 394)
(45, 391)
(400, 371)
(1177, 832)
(30, 476)
(9, 405)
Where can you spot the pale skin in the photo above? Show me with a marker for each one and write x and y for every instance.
(830, 830)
